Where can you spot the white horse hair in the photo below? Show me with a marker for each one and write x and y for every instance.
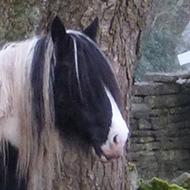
(16, 114)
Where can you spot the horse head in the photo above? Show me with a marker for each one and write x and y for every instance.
(85, 92)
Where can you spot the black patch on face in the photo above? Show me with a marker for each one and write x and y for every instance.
(82, 109)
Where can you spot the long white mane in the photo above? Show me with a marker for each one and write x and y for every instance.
(36, 158)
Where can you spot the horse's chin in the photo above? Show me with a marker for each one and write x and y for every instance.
(105, 159)
(101, 156)
(97, 152)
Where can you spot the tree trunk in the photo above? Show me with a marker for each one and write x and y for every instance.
(120, 26)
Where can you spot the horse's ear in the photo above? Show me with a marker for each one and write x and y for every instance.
(91, 30)
(58, 32)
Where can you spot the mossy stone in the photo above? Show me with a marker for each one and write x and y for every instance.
(159, 184)
(186, 184)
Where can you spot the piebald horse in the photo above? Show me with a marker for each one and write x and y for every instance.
(57, 85)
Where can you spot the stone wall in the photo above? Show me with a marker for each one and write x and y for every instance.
(160, 125)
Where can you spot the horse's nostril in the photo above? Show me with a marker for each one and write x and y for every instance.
(115, 140)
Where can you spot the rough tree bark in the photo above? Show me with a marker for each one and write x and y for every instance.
(121, 23)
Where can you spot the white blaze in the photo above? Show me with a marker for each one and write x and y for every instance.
(118, 132)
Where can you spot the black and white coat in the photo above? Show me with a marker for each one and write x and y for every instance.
(57, 86)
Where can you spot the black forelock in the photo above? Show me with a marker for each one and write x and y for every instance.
(94, 68)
